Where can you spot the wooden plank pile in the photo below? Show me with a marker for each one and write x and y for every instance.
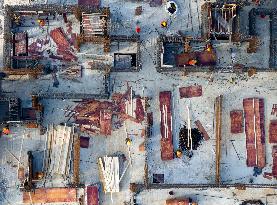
(109, 173)
(59, 147)
(73, 72)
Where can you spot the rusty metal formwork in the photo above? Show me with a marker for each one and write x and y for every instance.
(166, 126)
(255, 132)
(236, 121)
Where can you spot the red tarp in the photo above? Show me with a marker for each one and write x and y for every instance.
(274, 166)
(273, 131)
(20, 43)
(254, 130)
(50, 195)
(106, 122)
(202, 130)
(92, 195)
(166, 125)
(236, 121)
(191, 91)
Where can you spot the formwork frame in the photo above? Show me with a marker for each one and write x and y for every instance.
(50, 8)
(148, 184)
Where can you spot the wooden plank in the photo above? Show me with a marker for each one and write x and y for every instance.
(76, 160)
(218, 123)
(202, 130)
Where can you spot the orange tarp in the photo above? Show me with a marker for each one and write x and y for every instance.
(50, 195)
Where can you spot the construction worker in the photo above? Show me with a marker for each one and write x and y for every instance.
(128, 141)
(209, 47)
(179, 153)
(6, 130)
(41, 22)
(138, 29)
(16, 19)
(164, 24)
(192, 62)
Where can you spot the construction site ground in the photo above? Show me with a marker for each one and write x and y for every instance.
(201, 168)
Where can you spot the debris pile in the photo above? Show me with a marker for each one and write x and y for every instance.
(98, 117)
(197, 138)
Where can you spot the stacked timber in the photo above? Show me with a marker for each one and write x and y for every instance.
(59, 147)
(73, 72)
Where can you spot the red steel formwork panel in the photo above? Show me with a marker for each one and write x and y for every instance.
(92, 195)
(139, 111)
(274, 166)
(93, 3)
(106, 122)
(50, 195)
(166, 125)
(254, 130)
(236, 121)
(202, 129)
(191, 91)
(59, 38)
(177, 202)
(273, 131)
